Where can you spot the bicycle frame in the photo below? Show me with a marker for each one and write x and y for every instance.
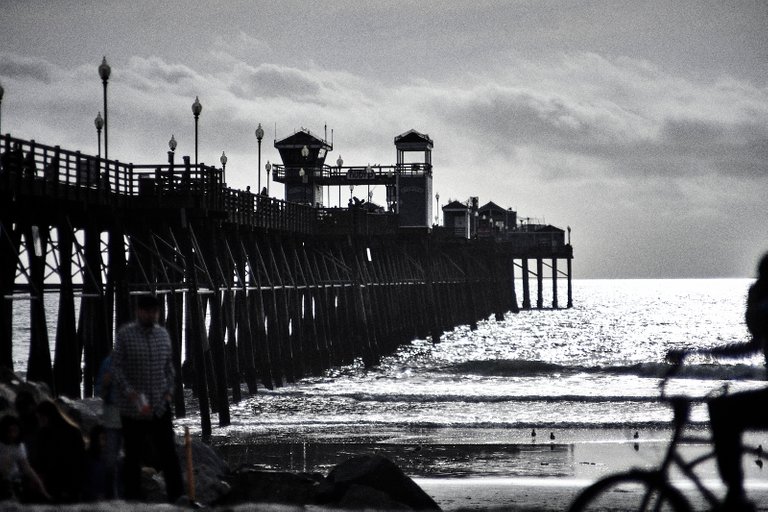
(681, 407)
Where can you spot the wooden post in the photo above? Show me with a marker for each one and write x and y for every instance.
(539, 284)
(515, 309)
(196, 336)
(526, 285)
(252, 343)
(66, 368)
(10, 240)
(554, 283)
(94, 331)
(39, 366)
(570, 298)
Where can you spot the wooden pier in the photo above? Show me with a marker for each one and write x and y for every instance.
(255, 290)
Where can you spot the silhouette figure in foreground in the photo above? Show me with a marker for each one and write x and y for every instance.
(731, 414)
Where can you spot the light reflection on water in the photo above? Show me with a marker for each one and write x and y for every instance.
(597, 364)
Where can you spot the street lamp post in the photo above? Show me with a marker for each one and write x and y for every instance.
(268, 168)
(196, 109)
(259, 136)
(99, 123)
(437, 209)
(339, 163)
(2, 91)
(223, 161)
(104, 72)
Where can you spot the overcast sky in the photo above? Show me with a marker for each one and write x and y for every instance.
(641, 125)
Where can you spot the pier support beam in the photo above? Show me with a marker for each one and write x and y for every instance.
(570, 297)
(39, 366)
(539, 284)
(554, 283)
(66, 366)
(526, 285)
(10, 240)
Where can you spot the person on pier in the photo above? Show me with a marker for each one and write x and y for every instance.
(142, 369)
(731, 414)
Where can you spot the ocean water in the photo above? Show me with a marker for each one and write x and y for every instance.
(468, 405)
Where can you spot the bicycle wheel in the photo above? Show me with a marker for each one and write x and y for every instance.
(633, 491)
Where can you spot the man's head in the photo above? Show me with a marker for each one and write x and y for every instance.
(147, 310)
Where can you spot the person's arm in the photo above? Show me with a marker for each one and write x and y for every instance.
(731, 350)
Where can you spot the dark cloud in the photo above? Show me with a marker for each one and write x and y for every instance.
(22, 68)
(271, 81)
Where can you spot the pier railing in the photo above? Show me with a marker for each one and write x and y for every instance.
(338, 176)
(30, 168)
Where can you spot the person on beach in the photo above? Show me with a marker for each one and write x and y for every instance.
(97, 478)
(731, 414)
(17, 478)
(142, 369)
(60, 460)
(110, 419)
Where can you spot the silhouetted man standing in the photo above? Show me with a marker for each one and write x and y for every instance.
(142, 367)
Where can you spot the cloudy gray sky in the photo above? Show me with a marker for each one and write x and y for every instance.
(642, 125)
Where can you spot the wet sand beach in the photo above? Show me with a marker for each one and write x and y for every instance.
(538, 473)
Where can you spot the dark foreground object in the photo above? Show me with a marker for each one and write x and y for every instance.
(368, 482)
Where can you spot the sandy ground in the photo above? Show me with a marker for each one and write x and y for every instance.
(541, 475)
(512, 470)
(592, 455)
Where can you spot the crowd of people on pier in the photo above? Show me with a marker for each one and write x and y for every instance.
(47, 457)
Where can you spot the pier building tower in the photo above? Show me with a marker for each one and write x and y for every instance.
(412, 190)
(303, 156)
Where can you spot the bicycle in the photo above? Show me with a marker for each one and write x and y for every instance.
(657, 493)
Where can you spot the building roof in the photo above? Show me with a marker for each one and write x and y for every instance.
(491, 206)
(549, 229)
(413, 138)
(300, 139)
(455, 205)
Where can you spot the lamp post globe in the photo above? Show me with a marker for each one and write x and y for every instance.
(104, 69)
(259, 136)
(197, 107)
(104, 72)
(172, 143)
(339, 162)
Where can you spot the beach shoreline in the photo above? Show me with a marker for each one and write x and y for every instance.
(536, 474)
